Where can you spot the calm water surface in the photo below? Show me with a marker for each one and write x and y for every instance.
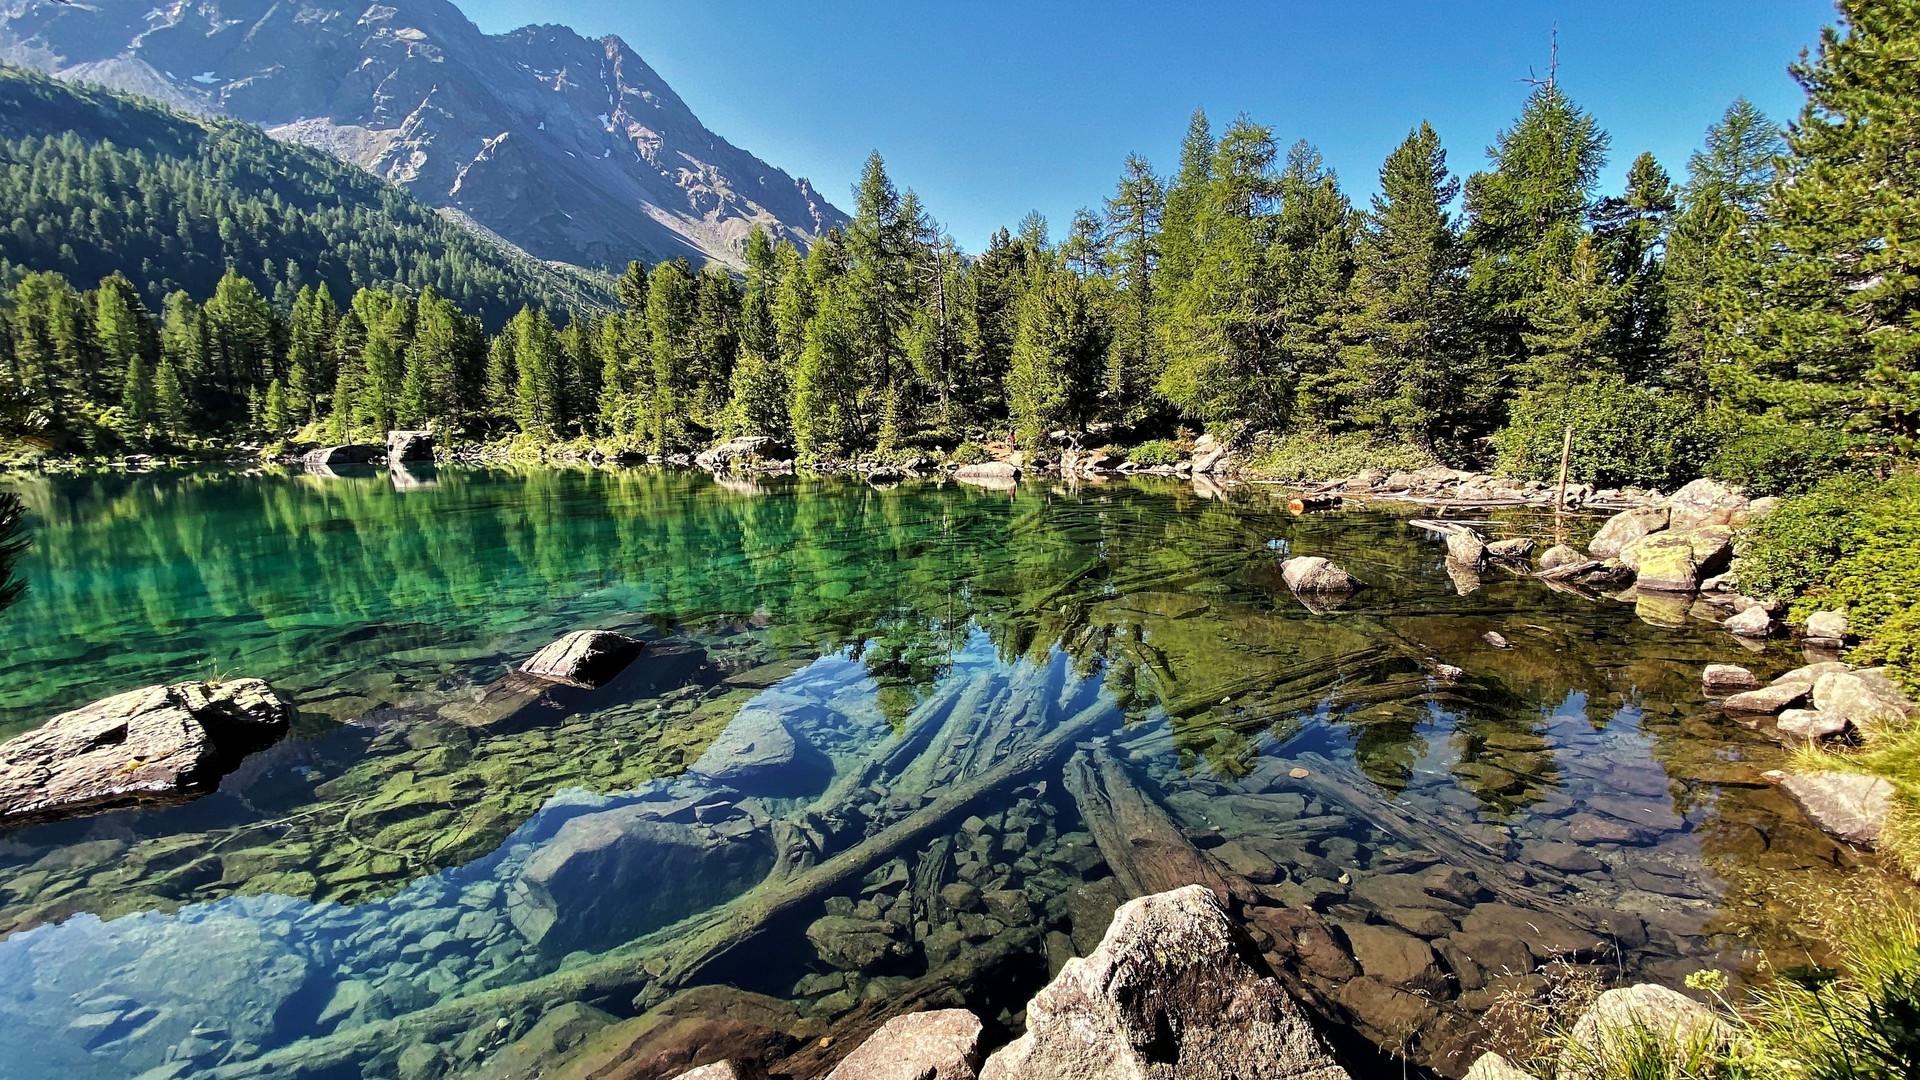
(421, 866)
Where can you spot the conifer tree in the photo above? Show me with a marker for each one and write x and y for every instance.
(172, 410)
(1711, 254)
(1526, 219)
(1134, 360)
(1185, 196)
(1630, 231)
(276, 416)
(1832, 336)
(125, 331)
(1404, 363)
(1058, 351)
(671, 298)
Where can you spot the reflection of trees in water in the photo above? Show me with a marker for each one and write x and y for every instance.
(13, 544)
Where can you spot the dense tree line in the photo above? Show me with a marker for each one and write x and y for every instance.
(1760, 310)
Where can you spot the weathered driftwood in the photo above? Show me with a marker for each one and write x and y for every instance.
(673, 958)
(1143, 847)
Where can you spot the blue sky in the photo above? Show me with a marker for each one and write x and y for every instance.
(990, 109)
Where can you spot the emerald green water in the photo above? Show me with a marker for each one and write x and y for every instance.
(376, 867)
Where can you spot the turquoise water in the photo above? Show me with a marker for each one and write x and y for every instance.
(397, 874)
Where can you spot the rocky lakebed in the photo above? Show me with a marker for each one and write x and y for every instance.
(506, 772)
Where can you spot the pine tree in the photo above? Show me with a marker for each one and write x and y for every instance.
(125, 331)
(1058, 351)
(1832, 336)
(137, 391)
(1526, 221)
(1711, 247)
(671, 298)
(539, 403)
(1185, 196)
(1134, 360)
(1405, 366)
(1631, 232)
(276, 416)
(172, 410)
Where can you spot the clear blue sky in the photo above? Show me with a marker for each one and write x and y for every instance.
(990, 109)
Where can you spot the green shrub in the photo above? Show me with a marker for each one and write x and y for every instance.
(1622, 435)
(1154, 452)
(1771, 458)
(1849, 543)
(1320, 455)
(970, 453)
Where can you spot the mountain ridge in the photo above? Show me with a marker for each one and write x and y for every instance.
(573, 149)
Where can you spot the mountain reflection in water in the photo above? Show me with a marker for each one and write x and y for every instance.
(865, 740)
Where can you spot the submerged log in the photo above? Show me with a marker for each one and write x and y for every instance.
(1307, 504)
(1144, 848)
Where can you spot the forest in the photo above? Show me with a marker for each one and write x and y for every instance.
(1753, 318)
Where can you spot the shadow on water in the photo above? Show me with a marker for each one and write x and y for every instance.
(883, 752)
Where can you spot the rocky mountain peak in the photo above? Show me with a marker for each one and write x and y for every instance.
(571, 148)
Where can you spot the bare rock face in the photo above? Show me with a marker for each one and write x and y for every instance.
(1623, 529)
(939, 1045)
(160, 742)
(356, 454)
(585, 658)
(409, 446)
(1172, 992)
(573, 149)
(1706, 502)
(1846, 806)
(1312, 574)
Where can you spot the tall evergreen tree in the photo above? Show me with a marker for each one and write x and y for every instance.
(1058, 351)
(1134, 360)
(1832, 335)
(1526, 220)
(1631, 230)
(1404, 360)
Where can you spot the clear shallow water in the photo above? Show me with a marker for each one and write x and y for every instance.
(399, 871)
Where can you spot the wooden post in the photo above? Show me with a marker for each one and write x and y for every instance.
(1566, 453)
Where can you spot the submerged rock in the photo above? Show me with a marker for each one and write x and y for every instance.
(613, 875)
(1171, 992)
(759, 755)
(939, 1045)
(158, 742)
(585, 658)
(1465, 548)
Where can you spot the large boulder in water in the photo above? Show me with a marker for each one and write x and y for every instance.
(1624, 528)
(613, 875)
(409, 446)
(1174, 991)
(585, 658)
(355, 454)
(1706, 502)
(159, 742)
(943, 1044)
(1313, 574)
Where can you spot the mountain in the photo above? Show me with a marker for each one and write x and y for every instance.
(575, 150)
(96, 182)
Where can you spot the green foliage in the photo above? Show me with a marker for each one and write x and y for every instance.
(1857, 1022)
(1154, 452)
(969, 453)
(1848, 543)
(1057, 357)
(1319, 455)
(1622, 435)
(1770, 457)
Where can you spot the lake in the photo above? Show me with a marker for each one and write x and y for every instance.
(865, 764)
